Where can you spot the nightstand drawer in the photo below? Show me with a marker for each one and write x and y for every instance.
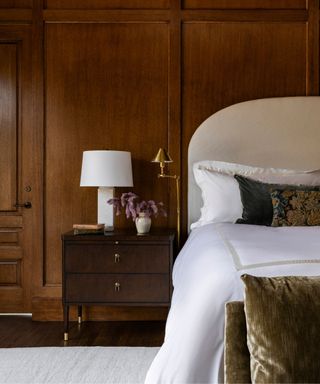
(117, 288)
(105, 258)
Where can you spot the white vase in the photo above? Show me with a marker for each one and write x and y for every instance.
(143, 224)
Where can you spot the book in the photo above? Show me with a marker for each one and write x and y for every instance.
(83, 229)
(88, 226)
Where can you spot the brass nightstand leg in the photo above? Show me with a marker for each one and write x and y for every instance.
(66, 322)
(79, 314)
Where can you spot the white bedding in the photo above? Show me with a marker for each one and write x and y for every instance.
(206, 275)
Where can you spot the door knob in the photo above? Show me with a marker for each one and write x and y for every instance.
(24, 205)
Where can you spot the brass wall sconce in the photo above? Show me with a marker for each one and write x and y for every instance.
(162, 158)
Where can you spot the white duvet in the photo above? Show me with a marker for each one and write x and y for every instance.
(206, 275)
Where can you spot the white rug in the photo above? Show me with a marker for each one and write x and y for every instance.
(88, 365)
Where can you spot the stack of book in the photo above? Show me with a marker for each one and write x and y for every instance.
(85, 229)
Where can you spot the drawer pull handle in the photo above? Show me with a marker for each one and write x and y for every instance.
(117, 287)
(116, 258)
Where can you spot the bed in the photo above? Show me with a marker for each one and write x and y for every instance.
(276, 132)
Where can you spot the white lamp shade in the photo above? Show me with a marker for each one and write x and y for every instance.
(106, 169)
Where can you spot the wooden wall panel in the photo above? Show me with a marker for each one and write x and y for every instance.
(15, 15)
(16, 3)
(106, 4)
(8, 126)
(244, 4)
(106, 87)
(238, 61)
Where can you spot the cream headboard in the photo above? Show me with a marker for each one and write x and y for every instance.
(279, 132)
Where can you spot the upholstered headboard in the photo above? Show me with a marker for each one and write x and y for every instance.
(277, 132)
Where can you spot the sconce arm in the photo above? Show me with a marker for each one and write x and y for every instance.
(177, 178)
(163, 175)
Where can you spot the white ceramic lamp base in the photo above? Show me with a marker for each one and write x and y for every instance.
(105, 210)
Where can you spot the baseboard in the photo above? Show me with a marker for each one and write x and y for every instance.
(50, 309)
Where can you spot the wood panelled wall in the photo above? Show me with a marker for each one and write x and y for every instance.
(132, 75)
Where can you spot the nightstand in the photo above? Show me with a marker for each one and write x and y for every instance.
(119, 268)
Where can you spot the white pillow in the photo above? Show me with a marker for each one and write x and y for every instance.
(220, 196)
(221, 193)
(267, 175)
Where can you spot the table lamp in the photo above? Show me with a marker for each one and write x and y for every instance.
(106, 170)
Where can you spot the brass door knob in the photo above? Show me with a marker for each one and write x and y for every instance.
(117, 287)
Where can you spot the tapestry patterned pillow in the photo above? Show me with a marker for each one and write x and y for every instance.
(295, 208)
(256, 199)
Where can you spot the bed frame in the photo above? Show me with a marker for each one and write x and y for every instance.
(277, 132)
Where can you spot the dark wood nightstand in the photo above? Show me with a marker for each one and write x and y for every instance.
(119, 268)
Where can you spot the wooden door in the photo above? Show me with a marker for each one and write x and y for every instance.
(17, 224)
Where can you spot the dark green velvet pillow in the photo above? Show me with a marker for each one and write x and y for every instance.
(236, 353)
(295, 208)
(283, 328)
(256, 199)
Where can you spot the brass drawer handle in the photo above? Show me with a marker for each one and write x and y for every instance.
(116, 258)
(117, 287)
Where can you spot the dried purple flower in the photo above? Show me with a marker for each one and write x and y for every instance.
(132, 206)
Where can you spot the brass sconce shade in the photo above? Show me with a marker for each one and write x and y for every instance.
(163, 157)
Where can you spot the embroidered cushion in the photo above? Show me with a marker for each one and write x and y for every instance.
(295, 208)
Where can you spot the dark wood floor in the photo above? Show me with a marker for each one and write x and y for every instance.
(21, 331)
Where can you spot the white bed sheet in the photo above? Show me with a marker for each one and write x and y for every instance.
(206, 275)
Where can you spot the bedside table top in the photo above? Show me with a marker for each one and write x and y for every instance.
(123, 235)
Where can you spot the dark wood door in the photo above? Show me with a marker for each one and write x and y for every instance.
(17, 224)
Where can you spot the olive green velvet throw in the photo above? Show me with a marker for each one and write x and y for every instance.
(283, 328)
(236, 353)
